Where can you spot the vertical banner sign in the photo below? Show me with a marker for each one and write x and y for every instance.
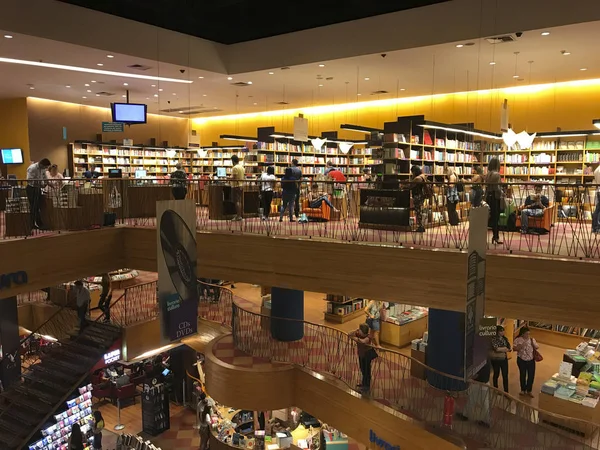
(300, 129)
(476, 347)
(177, 280)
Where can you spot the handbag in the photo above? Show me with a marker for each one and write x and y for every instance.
(502, 201)
(537, 356)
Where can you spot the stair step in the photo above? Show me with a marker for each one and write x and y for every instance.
(66, 353)
(95, 340)
(63, 365)
(81, 348)
(32, 378)
(55, 374)
(47, 397)
(27, 401)
(106, 326)
(29, 419)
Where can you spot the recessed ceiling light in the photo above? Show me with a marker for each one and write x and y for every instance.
(583, 69)
(97, 95)
(230, 78)
(31, 87)
(153, 85)
(321, 65)
(545, 33)
(160, 89)
(320, 85)
(565, 53)
(249, 82)
(110, 56)
(367, 79)
(25, 62)
(147, 98)
(255, 103)
(84, 96)
(515, 76)
(271, 73)
(93, 81)
(459, 45)
(203, 95)
(86, 84)
(201, 78)
(100, 64)
(125, 84)
(156, 95)
(174, 93)
(67, 86)
(180, 112)
(88, 90)
(358, 94)
(8, 36)
(123, 96)
(402, 89)
(492, 63)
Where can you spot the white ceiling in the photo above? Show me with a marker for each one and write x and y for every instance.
(420, 71)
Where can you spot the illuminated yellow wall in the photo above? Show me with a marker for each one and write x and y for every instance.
(571, 106)
(14, 131)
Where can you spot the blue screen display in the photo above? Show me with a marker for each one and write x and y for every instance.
(12, 156)
(129, 113)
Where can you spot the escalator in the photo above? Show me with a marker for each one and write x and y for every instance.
(49, 378)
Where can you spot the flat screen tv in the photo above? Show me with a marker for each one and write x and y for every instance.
(11, 155)
(130, 113)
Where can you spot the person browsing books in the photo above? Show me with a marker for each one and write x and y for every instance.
(534, 207)
(266, 190)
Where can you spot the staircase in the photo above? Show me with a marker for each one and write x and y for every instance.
(47, 384)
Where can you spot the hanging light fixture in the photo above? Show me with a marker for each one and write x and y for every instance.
(318, 143)
(345, 147)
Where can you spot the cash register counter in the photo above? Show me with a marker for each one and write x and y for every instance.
(222, 207)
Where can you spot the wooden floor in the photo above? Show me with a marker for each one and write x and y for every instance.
(315, 306)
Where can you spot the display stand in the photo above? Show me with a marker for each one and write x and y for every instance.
(155, 409)
(566, 408)
(402, 334)
(341, 309)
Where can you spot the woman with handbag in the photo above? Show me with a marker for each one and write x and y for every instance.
(527, 355)
(493, 197)
(366, 354)
(499, 357)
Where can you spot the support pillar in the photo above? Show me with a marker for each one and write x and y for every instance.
(287, 304)
(10, 364)
(509, 330)
(446, 349)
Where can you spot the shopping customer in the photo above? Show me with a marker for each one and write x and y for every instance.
(493, 195)
(238, 175)
(452, 197)
(97, 427)
(534, 207)
(266, 190)
(297, 174)
(316, 198)
(76, 438)
(82, 298)
(288, 188)
(204, 421)
(105, 296)
(477, 188)
(373, 311)
(55, 181)
(366, 354)
(499, 357)
(526, 348)
(36, 180)
(421, 191)
(179, 182)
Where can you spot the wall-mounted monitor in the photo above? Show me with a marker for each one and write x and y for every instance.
(130, 113)
(221, 172)
(11, 155)
(140, 173)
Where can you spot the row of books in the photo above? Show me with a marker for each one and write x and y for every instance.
(577, 331)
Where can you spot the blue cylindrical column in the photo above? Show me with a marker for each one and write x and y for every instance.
(446, 348)
(287, 304)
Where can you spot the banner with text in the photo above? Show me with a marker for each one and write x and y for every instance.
(476, 346)
(177, 280)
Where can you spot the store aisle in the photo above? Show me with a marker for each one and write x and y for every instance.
(314, 307)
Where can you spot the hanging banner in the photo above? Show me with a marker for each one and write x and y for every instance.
(300, 129)
(476, 346)
(177, 280)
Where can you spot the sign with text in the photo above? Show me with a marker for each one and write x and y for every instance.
(380, 443)
(7, 280)
(487, 327)
(476, 347)
(300, 129)
(177, 280)
(112, 356)
(113, 127)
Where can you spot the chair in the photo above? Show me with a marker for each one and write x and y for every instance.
(126, 392)
(322, 214)
(542, 222)
(104, 393)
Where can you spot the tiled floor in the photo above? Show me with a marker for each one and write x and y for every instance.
(182, 435)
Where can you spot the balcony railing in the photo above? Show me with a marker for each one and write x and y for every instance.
(496, 419)
(349, 212)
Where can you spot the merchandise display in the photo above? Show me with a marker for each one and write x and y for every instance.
(403, 324)
(79, 410)
(131, 442)
(341, 308)
(156, 418)
(116, 276)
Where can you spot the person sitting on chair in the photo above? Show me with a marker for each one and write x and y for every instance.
(316, 198)
(534, 207)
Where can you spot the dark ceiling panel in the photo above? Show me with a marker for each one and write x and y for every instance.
(233, 21)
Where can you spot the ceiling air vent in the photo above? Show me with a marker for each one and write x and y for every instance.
(139, 67)
(379, 92)
(501, 39)
(105, 94)
(241, 84)
(282, 103)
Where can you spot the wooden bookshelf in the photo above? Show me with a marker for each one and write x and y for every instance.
(343, 318)
(354, 305)
(563, 336)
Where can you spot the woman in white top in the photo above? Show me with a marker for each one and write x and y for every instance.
(526, 347)
(55, 181)
(266, 190)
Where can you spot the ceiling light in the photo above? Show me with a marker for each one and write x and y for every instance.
(596, 123)
(545, 33)
(202, 78)
(110, 56)
(492, 63)
(87, 84)
(174, 93)
(320, 85)
(271, 73)
(160, 90)
(87, 70)
(84, 96)
(583, 69)
(458, 130)
(515, 76)
(255, 103)
(147, 98)
(97, 95)
(156, 95)
(203, 95)
(88, 90)
(459, 45)
(321, 65)
(153, 85)
(100, 64)
(230, 78)
(31, 87)
(93, 81)
(123, 96)
(565, 53)
(8, 36)
(402, 89)
(180, 112)
(367, 79)
(67, 86)
(249, 82)
(358, 94)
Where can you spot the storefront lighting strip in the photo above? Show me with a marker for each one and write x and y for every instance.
(458, 130)
(231, 137)
(25, 62)
(360, 128)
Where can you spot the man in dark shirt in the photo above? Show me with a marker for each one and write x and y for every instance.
(105, 296)
(297, 174)
(91, 173)
(534, 207)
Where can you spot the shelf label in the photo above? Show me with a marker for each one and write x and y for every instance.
(113, 127)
